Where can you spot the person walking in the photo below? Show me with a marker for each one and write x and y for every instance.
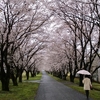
(87, 85)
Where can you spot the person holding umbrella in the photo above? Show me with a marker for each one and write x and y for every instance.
(87, 84)
(86, 81)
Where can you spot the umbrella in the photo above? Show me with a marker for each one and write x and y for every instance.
(83, 72)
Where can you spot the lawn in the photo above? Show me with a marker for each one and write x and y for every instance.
(24, 91)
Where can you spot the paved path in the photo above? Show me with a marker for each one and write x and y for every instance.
(50, 89)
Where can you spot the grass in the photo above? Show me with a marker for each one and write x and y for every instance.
(94, 94)
(24, 90)
(38, 77)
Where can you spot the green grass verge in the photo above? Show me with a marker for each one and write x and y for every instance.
(24, 90)
(37, 77)
(94, 94)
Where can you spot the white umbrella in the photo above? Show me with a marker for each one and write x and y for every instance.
(83, 72)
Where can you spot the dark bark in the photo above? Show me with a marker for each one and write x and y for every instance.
(20, 75)
(20, 78)
(0, 75)
(71, 78)
(70, 70)
(80, 80)
(64, 77)
(33, 73)
(14, 79)
(4, 80)
(27, 75)
(5, 83)
(5, 73)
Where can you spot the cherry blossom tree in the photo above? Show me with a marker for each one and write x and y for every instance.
(19, 20)
(78, 16)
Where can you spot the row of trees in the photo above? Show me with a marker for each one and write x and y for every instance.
(73, 45)
(20, 39)
(80, 35)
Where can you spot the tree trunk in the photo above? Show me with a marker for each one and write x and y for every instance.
(20, 75)
(64, 77)
(27, 75)
(20, 78)
(33, 73)
(5, 83)
(14, 79)
(4, 76)
(80, 80)
(71, 78)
